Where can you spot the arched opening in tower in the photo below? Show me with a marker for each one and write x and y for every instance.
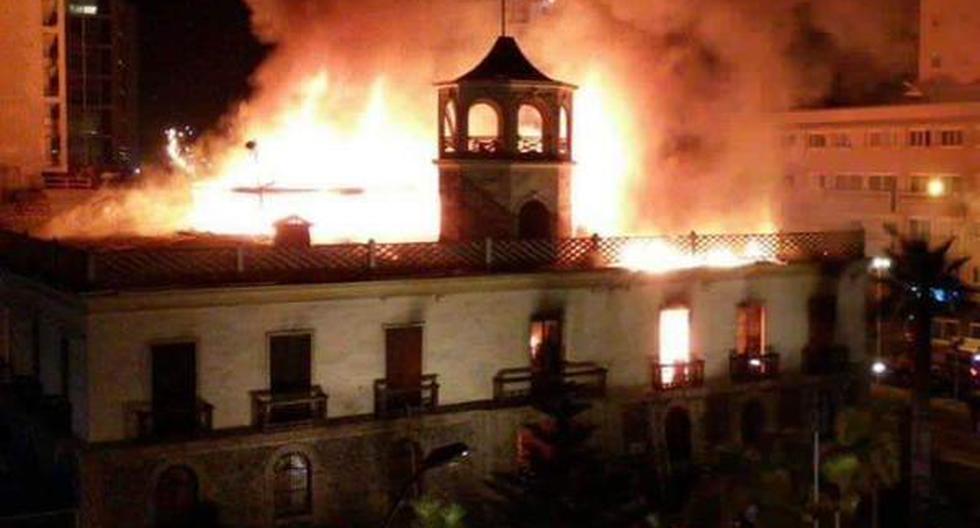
(484, 129)
(534, 222)
(530, 130)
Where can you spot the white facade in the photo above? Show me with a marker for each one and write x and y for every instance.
(473, 328)
(915, 167)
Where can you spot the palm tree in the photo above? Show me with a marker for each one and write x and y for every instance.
(924, 282)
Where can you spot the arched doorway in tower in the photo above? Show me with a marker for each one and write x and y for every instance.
(535, 222)
(753, 422)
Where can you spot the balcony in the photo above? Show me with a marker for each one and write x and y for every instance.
(392, 402)
(271, 410)
(154, 422)
(824, 361)
(670, 376)
(518, 385)
(746, 368)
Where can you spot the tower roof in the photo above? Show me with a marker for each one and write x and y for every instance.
(507, 62)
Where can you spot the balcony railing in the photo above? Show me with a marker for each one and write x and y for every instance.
(390, 401)
(753, 367)
(685, 375)
(484, 145)
(823, 361)
(274, 409)
(170, 421)
(517, 385)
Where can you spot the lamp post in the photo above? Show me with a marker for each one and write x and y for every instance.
(879, 266)
(438, 457)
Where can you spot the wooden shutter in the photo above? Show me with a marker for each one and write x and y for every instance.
(403, 357)
(289, 363)
(751, 328)
(174, 386)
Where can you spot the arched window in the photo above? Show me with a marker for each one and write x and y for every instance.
(753, 422)
(530, 130)
(175, 497)
(484, 129)
(449, 127)
(293, 489)
(564, 133)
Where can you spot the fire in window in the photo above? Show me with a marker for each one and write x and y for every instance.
(751, 334)
(546, 344)
(674, 339)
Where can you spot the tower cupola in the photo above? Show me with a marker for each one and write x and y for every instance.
(505, 150)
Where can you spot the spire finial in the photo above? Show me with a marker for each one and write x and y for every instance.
(503, 18)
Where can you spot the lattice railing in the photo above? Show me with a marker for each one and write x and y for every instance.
(109, 268)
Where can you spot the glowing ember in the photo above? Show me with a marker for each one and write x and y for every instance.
(675, 339)
(658, 256)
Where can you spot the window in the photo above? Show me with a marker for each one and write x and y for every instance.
(289, 363)
(848, 182)
(823, 181)
(546, 348)
(293, 489)
(919, 184)
(879, 138)
(816, 141)
(920, 138)
(951, 138)
(530, 130)
(751, 329)
(881, 183)
(174, 382)
(484, 129)
(675, 336)
(945, 329)
(921, 229)
(840, 140)
(403, 367)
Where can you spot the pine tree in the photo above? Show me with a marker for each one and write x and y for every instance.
(561, 482)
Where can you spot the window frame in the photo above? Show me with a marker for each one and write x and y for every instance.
(269, 336)
(281, 513)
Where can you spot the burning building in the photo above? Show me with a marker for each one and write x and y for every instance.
(290, 382)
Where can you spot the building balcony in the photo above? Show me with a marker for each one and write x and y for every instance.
(152, 422)
(281, 409)
(824, 361)
(680, 375)
(745, 368)
(390, 401)
(519, 385)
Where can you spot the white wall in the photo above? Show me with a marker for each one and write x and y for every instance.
(473, 328)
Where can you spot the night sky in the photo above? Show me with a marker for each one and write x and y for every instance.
(195, 60)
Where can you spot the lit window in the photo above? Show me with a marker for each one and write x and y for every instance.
(83, 10)
(564, 132)
(546, 344)
(675, 335)
(484, 129)
(293, 495)
(920, 138)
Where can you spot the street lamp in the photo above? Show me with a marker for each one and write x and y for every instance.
(438, 457)
(879, 266)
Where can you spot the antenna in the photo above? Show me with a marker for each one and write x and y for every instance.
(503, 18)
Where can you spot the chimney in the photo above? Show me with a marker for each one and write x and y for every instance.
(292, 232)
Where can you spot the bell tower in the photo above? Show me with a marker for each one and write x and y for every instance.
(505, 150)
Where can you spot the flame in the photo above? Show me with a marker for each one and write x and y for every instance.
(372, 180)
(675, 339)
(658, 256)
